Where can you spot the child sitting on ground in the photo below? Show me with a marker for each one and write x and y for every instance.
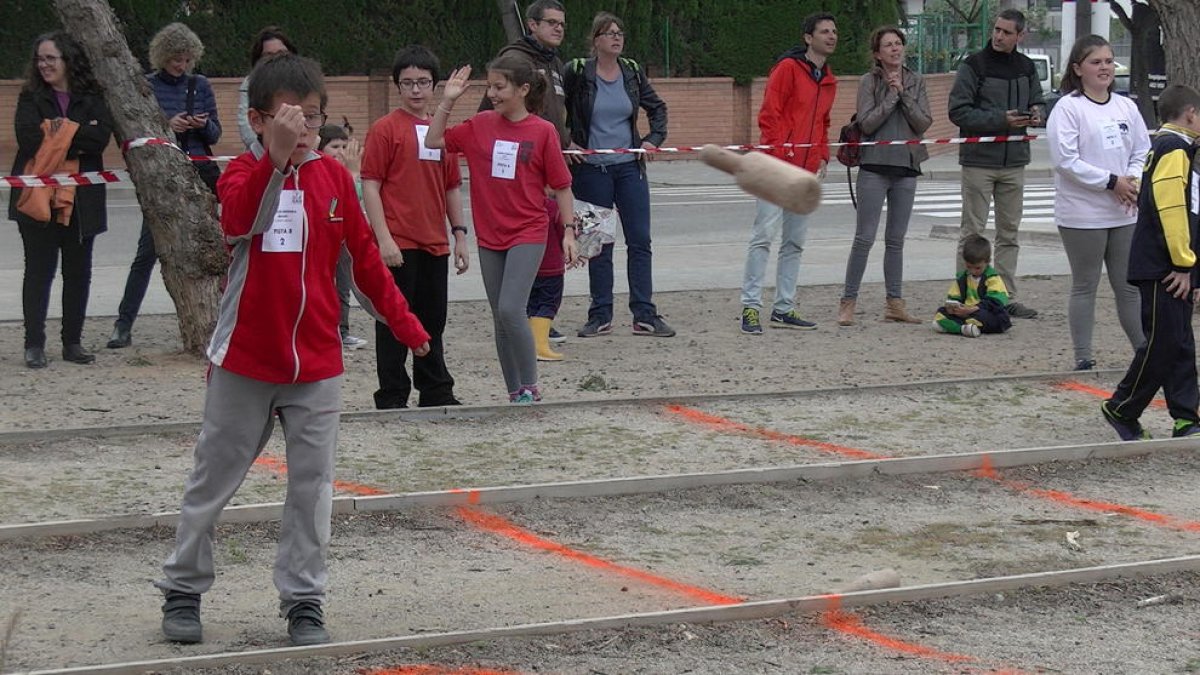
(977, 299)
(1162, 264)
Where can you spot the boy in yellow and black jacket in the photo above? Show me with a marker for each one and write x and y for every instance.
(1162, 264)
(977, 300)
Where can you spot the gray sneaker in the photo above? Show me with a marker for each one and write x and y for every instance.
(306, 624)
(654, 327)
(595, 327)
(181, 617)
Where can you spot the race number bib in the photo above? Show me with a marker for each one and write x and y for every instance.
(504, 160)
(286, 234)
(423, 152)
(1110, 135)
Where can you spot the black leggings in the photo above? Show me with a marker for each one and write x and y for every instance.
(42, 242)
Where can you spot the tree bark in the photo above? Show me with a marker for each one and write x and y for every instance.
(512, 23)
(1179, 21)
(1144, 30)
(177, 207)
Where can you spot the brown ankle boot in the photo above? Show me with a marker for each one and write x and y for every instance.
(846, 312)
(895, 311)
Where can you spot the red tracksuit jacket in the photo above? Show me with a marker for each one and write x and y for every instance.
(278, 320)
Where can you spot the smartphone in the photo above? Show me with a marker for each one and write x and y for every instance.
(1024, 113)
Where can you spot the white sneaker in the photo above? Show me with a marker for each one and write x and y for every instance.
(352, 342)
(970, 330)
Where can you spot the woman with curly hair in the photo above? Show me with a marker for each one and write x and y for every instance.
(188, 103)
(62, 124)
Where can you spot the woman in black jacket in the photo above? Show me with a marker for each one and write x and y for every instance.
(603, 94)
(60, 86)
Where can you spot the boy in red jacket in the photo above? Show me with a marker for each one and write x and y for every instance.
(276, 348)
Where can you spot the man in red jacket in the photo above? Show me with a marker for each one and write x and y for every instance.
(795, 110)
(277, 349)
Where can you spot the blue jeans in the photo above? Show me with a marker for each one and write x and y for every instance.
(138, 280)
(791, 244)
(626, 186)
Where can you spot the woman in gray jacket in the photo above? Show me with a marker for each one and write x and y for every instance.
(892, 105)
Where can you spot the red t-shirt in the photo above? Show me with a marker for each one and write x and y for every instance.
(511, 163)
(412, 183)
(552, 260)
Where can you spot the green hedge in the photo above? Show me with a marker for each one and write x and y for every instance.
(736, 38)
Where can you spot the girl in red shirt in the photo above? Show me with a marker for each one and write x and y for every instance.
(513, 156)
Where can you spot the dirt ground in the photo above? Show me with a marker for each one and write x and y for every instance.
(93, 602)
(153, 382)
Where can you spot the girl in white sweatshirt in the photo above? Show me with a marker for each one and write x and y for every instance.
(1098, 145)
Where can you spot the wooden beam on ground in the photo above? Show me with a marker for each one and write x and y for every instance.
(748, 611)
(613, 487)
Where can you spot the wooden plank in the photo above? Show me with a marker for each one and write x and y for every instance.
(613, 487)
(748, 611)
(474, 412)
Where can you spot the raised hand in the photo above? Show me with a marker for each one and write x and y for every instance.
(286, 130)
(457, 84)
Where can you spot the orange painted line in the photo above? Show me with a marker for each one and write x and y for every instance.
(1071, 385)
(850, 624)
(499, 525)
(279, 466)
(723, 424)
(427, 669)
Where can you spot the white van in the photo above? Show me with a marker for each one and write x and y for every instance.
(1045, 71)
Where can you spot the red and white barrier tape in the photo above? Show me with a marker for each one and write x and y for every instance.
(120, 176)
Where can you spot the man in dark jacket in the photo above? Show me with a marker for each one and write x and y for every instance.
(547, 25)
(997, 92)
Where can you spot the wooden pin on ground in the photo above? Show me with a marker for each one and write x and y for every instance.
(767, 177)
(871, 581)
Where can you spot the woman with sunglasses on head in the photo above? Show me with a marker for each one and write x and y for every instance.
(604, 93)
(62, 125)
(892, 106)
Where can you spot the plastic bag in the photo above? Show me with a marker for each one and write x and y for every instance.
(597, 227)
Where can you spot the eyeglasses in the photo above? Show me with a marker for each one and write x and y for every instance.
(613, 34)
(553, 23)
(423, 83)
(48, 59)
(311, 120)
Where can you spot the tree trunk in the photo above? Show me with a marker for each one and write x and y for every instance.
(1147, 56)
(512, 22)
(1179, 29)
(178, 208)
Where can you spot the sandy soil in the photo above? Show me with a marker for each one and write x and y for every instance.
(92, 600)
(153, 382)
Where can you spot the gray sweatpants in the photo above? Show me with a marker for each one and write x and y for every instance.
(237, 424)
(507, 278)
(873, 189)
(1086, 251)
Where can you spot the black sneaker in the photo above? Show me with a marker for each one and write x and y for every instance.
(1185, 428)
(654, 327)
(1019, 311)
(556, 337)
(1085, 364)
(751, 323)
(306, 624)
(1127, 429)
(595, 327)
(181, 617)
(791, 319)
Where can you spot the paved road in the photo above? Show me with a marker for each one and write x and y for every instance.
(701, 224)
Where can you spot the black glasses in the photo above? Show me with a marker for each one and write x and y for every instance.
(423, 83)
(311, 120)
(553, 23)
(614, 34)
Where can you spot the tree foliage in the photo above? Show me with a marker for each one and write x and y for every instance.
(738, 38)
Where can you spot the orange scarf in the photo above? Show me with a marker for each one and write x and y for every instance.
(41, 202)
